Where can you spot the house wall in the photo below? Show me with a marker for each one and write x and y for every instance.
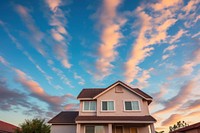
(85, 113)
(63, 129)
(143, 129)
(118, 99)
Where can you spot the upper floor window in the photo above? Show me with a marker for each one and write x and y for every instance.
(107, 106)
(131, 106)
(89, 105)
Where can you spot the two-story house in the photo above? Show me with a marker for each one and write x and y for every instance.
(118, 108)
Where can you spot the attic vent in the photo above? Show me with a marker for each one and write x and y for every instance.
(118, 89)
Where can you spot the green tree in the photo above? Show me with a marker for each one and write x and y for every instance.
(179, 124)
(34, 126)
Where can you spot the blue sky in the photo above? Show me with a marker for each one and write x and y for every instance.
(51, 49)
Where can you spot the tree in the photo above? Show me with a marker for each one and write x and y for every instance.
(34, 126)
(179, 124)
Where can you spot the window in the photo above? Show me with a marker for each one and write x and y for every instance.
(107, 106)
(131, 105)
(89, 105)
(94, 129)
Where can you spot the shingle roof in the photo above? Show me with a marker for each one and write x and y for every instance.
(64, 117)
(190, 127)
(7, 127)
(146, 118)
(92, 92)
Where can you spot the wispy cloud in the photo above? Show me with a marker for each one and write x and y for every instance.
(60, 74)
(110, 23)
(153, 30)
(143, 79)
(177, 36)
(36, 35)
(56, 103)
(58, 21)
(81, 80)
(172, 119)
(188, 67)
(179, 99)
(20, 47)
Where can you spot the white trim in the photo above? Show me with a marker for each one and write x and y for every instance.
(108, 110)
(89, 107)
(132, 100)
(119, 82)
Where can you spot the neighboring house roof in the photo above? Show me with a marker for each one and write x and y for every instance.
(93, 93)
(7, 127)
(116, 119)
(187, 128)
(64, 117)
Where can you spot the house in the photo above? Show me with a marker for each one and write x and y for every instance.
(6, 127)
(118, 108)
(195, 128)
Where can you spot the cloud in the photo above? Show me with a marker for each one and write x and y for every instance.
(60, 74)
(58, 21)
(81, 80)
(110, 23)
(36, 35)
(187, 68)
(164, 4)
(55, 102)
(142, 80)
(153, 31)
(3, 61)
(172, 119)
(170, 48)
(176, 101)
(179, 34)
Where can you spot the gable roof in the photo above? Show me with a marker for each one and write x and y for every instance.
(94, 93)
(90, 93)
(190, 127)
(64, 117)
(7, 127)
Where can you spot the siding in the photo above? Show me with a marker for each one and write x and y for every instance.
(63, 129)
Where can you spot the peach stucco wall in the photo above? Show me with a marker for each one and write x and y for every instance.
(119, 99)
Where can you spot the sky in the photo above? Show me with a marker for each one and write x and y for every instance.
(51, 49)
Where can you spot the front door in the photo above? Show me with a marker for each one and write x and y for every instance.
(119, 129)
(133, 130)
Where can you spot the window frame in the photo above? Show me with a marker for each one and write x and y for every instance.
(94, 128)
(131, 105)
(107, 101)
(83, 109)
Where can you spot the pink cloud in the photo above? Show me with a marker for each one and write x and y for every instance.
(187, 68)
(58, 21)
(54, 102)
(172, 120)
(156, 30)
(37, 35)
(110, 36)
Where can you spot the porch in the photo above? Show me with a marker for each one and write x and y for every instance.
(115, 128)
(115, 124)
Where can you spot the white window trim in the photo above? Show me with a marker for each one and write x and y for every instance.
(107, 110)
(94, 128)
(89, 110)
(131, 100)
